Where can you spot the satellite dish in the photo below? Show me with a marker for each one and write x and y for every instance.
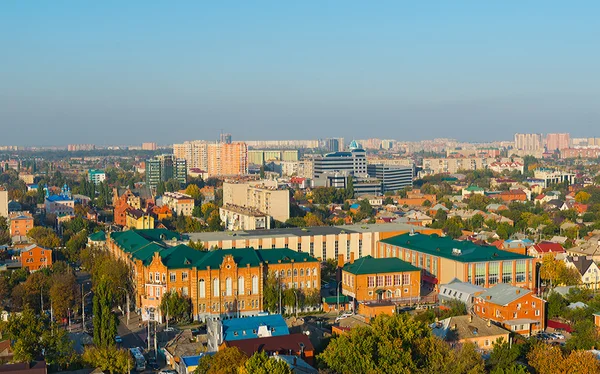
(307, 333)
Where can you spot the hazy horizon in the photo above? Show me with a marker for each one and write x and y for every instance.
(124, 73)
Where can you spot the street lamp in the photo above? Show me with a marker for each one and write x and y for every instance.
(296, 296)
(127, 297)
(338, 296)
(83, 309)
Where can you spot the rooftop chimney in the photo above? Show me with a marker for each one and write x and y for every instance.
(340, 261)
(351, 257)
(470, 318)
(489, 323)
(518, 291)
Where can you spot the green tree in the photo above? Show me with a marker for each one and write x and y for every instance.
(176, 307)
(105, 322)
(556, 305)
(397, 344)
(271, 293)
(226, 361)
(260, 363)
(503, 358)
(194, 191)
(111, 359)
(44, 236)
(34, 336)
(585, 336)
(64, 293)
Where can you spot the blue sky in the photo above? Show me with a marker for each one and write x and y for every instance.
(123, 72)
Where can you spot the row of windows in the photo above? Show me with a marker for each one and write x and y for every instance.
(229, 306)
(228, 287)
(388, 280)
(283, 273)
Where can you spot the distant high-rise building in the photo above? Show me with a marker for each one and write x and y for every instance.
(393, 178)
(228, 159)
(214, 158)
(149, 146)
(225, 138)
(558, 141)
(80, 147)
(353, 162)
(164, 167)
(528, 142)
(260, 156)
(3, 202)
(333, 145)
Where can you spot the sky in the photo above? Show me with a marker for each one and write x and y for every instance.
(124, 72)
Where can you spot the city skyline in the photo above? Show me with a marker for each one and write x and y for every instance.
(123, 73)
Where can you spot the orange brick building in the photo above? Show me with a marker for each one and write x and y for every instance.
(512, 195)
(20, 223)
(516, 309)
(370, 279)
(35, 257)
(220, 283)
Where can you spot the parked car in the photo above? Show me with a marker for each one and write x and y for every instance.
(167, 371)
(170, 329)
(118, 339)
(343, 316)
(559, 335)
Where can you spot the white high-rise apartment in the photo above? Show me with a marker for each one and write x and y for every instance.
(529, 142)
(3, 203)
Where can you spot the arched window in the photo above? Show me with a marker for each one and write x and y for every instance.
(254, 285)
(289, 273)
(282, 273)
(301, 272)
(228, 286)
(215, 287)
(201, 288)
(295, 272)
(241, 285)
(314, 271)
(398, 294)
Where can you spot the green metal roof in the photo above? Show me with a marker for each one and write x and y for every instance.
(143, 244)
(446, 247)
(99, 236)
(473, 188)
(371, 265)
(334, 299)
(242, 257)
(286, 255)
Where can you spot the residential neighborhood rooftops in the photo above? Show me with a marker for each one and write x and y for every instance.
(370, 265)
(446, 247)
(465, 327)
(503, 294)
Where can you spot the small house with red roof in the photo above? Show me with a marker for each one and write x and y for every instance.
(545, 248)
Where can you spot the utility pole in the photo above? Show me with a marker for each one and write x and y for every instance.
(148, 338)
(155, 341)
(279, 296)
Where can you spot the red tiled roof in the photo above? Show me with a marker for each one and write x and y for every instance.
(549, 247)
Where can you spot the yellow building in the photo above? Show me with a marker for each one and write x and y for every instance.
(137, 219)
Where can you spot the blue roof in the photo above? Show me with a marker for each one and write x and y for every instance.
(193, 360)
(58, 198)
(247, 328)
